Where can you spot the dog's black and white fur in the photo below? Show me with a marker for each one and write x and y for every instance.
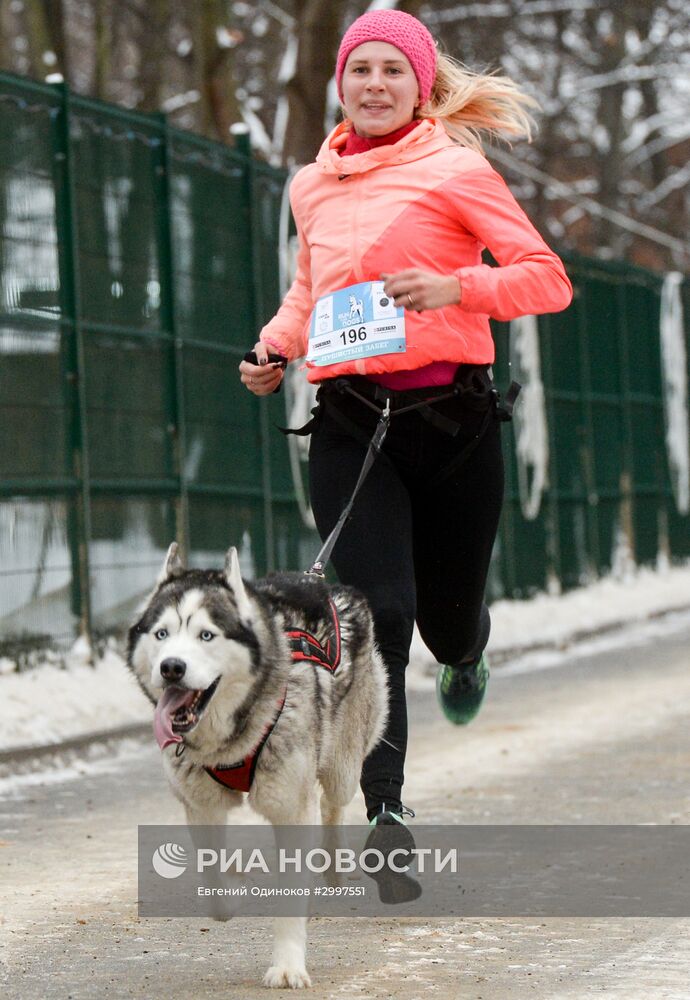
(213, 647)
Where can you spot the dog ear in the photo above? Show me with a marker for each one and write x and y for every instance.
(172, 566)
(233, 575)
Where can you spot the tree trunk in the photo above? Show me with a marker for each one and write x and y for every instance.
(608, 163)
(55, 19)
(219, 108)
(45, 33)
(102, 54)
(551, 150)
(152, 45)
(318, 32)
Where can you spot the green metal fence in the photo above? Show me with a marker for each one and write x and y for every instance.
(137, 263)
(608, 413)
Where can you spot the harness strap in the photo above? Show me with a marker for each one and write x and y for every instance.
(239, 776)
(492, 406)
(459, 460)
(505, 409)
(305, 647)
(342, 386)
(307, 428)
(422, 406)
(353, 429)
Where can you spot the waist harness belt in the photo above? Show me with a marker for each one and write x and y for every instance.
(480, 397)
(303, 647)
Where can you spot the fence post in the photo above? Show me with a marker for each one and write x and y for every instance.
(553, 568)
(79, 519)
(627, 481)
(243, 146)
(177, 427)
(587, 454)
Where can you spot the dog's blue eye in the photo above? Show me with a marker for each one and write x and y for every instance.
(161, 634)
(206, 636)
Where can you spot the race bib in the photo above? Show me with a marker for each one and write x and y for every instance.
(359, 321)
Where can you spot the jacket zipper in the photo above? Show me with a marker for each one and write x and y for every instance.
(355, 256)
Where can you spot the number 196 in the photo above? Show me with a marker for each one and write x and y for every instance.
(352, 336)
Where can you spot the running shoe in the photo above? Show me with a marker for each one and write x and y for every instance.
(389, 832)
(460, 690)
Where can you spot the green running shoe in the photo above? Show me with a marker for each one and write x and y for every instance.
(460, 690)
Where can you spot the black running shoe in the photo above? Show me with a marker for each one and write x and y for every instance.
(389, 832)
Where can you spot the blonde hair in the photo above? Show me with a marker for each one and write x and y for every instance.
(469, 104)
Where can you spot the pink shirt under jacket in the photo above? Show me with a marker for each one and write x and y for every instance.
(423, 202)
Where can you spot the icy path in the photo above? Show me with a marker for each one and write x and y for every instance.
(600, 737)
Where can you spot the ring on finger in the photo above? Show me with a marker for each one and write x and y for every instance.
(410, 299)
(251, 380)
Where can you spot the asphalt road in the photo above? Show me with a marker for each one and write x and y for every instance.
(599, 735)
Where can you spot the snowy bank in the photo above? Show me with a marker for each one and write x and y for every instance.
(558, 621)
(51, 703)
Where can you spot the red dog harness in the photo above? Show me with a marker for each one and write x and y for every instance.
(304, 647)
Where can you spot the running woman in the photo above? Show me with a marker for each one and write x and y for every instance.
(396, 211)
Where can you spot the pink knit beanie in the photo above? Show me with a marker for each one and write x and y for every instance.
(399, 29)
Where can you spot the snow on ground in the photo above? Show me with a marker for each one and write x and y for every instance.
(51, 702)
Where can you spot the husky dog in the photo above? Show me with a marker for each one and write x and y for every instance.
(217, 656)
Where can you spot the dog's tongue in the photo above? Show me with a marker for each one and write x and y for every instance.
(168, 703)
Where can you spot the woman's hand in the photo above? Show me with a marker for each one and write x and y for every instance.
(261, 379)
(419, 290)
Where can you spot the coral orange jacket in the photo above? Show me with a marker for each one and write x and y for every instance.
(423, 202)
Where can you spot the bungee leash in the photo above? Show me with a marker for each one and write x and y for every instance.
(319, 565)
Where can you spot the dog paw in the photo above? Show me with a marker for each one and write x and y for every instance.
(285, 977)
(222, 912)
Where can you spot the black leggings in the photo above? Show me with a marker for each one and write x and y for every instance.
(417, 552)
